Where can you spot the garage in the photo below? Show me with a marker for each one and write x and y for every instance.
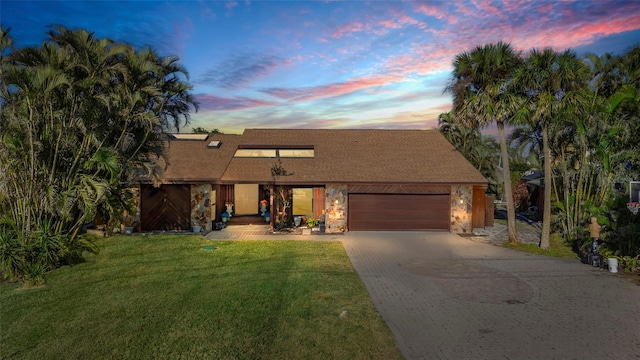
(398, 212)
(167, 207)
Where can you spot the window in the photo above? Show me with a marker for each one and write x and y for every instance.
(302, 202)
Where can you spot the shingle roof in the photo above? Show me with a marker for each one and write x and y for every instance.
(193, 160)
(341, 156)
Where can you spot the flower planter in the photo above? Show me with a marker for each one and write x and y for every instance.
(196, 229)
(128, 230)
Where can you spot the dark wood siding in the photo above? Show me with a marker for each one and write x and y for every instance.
(225, 194)
(479, 205)
(488, 215)
(318, 201)
(398, 212)
(165, 208)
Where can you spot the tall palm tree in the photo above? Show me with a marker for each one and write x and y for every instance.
(479, 85)
(553, 82)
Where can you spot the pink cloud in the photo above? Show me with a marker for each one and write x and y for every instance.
(331, 90)
(431, 9)
(424, 60)
(209, 102)
(348, 28)
(486, 7)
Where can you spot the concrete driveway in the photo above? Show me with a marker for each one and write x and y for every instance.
(447, 297)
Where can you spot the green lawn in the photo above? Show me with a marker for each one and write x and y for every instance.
(166, 297)
(557, 248)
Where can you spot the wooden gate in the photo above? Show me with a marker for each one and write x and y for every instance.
(165, 208)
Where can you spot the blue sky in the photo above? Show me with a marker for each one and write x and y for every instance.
(328, 64)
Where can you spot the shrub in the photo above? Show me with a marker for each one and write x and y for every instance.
(28, 257)
(12, 256)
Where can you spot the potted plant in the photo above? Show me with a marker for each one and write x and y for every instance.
(225, 216)
(311, 221)
(196, 228)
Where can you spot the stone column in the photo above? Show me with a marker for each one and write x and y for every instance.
(336, 205)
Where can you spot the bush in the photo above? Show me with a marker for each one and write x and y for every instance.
(12, 256)
(628, 263)
(29, 257)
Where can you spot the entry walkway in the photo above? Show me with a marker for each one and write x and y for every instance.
(261, 232)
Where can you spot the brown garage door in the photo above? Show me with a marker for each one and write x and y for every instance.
(165, 208)
(398, 212)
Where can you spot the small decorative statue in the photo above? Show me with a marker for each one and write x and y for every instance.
(263, 207)
(229, 206)
(594, 229)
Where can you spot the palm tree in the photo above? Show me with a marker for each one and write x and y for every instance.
(553, 82)
(479, 85)
(527, 140)
(464, 138)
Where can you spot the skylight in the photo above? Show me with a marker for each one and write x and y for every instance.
(304, 153)
(269, 153)
(275, 152)
(190, 136)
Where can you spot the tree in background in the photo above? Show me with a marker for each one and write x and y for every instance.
(81, 119)
(479, 85)
(554, 85)
(481, 151)
(201, 130)
(579, 116)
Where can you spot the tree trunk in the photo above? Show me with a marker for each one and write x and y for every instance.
(546, 212)
(508, 193)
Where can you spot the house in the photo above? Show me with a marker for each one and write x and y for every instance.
(356, 179)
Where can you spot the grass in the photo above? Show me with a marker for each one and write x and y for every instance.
(557, 248)
(152, 297)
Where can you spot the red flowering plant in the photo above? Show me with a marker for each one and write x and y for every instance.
(521, 196)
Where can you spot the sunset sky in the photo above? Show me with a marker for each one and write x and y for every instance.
(328, 64)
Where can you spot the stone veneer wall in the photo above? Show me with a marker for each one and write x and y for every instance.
(461, 208)
(336, 208)
(201, 206)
